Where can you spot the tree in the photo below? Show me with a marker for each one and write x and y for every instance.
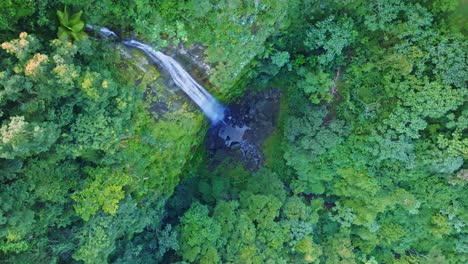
(332, 35)
(199, 235)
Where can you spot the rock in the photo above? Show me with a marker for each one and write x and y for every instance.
(192, 57)
(232, 133)
(162, 93)
(248, 124)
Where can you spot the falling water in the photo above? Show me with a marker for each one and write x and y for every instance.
(208, 104)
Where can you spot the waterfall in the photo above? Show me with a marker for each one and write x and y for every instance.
(230, 130)
(207, 103)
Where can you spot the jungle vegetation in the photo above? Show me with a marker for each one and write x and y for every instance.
(366, 165)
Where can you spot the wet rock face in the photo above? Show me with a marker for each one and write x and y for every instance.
(248, 123)
(195, 53)
(162, 94)
(193, 59)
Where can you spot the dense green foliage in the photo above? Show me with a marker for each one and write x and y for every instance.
(83, 164)
(367, 164)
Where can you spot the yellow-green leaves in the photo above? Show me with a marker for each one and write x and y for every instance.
(104, 192)
(70, 26)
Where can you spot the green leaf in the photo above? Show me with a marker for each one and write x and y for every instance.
(62, 33)
(63, 17)
(76, 36)
(77, 27)
(75, 19)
